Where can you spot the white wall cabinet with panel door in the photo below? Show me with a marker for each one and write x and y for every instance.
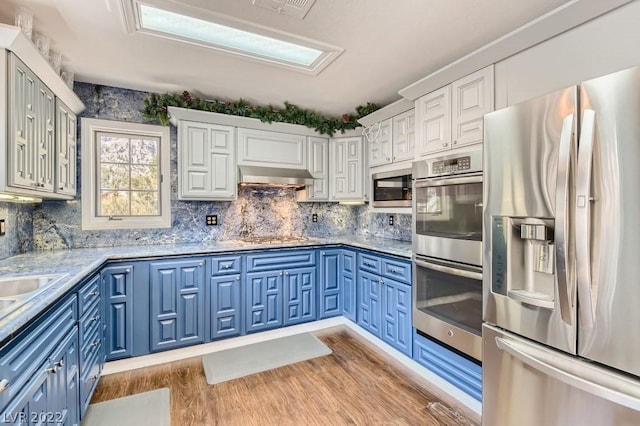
(206, 161)
(318, 162)
(65, 150)
(347, 163)
(404, 136)
(452, 117)
(271, 149)
(380, 144)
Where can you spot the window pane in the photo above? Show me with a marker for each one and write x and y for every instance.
(144, 178)
(114, 203)
(113, 149)
(114, 176)
(144, 203)
(144, 151)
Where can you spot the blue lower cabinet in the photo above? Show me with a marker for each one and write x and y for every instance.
(177, 303)
(299, 295)
(224, 306)
(348, 284)
(396, 316)
(117, 288)
(264, 300)
(330, 292)
(369, 300)
(461, 372)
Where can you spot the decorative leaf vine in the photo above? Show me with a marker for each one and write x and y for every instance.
(155, 108)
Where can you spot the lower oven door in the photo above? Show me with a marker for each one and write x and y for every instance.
(447, 303)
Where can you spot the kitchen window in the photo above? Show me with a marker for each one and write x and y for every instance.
(125, 170)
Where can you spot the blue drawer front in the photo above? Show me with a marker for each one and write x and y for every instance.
(397, 270)
(280, 260)
(223, 265)
(88, 295)
(369, 263)
(455, 369)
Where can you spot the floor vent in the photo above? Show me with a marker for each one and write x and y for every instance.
(296, 8)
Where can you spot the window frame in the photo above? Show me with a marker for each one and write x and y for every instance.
(89, 174)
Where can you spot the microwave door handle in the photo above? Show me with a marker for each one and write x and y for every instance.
(565, 155)
(449, 270)
(583, 219)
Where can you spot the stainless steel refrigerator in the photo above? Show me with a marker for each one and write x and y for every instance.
(561, 278)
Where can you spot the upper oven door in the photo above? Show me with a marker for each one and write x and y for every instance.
(448, 218)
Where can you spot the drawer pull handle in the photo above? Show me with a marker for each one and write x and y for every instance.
(227, 266)
(52, 370)
(94, 377)
(96, 318)
(95, 343)
(393, 271)
(4, 384)
(95, 293)
(368, 265)
(237, 278)
(59, 363)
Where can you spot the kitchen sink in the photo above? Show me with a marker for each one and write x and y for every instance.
(15, 291)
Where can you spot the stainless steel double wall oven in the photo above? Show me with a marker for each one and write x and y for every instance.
(447, 246)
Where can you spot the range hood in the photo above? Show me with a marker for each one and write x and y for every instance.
(274, 176)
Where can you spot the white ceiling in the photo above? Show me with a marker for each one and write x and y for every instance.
(388, 45)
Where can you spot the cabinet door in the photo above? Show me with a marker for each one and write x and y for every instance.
(224, 306)
(330, 297)
(264, 300)
(347, 169)
(472, 97)
(63, 397)
(30, 402)
(396, 316)
(46, 119)
(380, 151)
(433, 122)
(271, 149)
(319, 169)
(348, 284)
(65, 159)
(404, 136)
(207, 162)
(177, 303)
(118, 292)
(299, 295)
(369, 302)
(23, 136)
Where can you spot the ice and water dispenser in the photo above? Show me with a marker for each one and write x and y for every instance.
(523, 260)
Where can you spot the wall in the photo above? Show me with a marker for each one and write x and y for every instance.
(19, 229)
(256, 212)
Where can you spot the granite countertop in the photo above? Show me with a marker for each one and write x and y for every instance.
(80, 263)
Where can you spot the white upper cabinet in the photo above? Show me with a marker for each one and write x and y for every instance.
(65, 150)
(347, 166)
(206, 162)
(404, 136)
(271, 149)
(452, 116)
(380, 144)
(319, 169)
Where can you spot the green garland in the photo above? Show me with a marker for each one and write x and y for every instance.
(155, 108)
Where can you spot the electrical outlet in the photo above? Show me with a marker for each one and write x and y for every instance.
(314, 217)
(2, 227)
(391, 220)
(212, 220)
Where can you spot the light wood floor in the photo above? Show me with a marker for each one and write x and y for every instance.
(352, 386)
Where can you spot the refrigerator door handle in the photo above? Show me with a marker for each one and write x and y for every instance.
(604, 384)
(583, 219)
(565, 155)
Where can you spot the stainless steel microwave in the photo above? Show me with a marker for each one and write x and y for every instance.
(392, 189)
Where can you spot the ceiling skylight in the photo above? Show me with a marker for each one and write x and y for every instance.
(240, 39)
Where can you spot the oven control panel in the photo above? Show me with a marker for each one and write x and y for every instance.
(451, 165)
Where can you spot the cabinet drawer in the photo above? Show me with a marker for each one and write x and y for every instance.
(88, 351)
(88, 294)
(280, 260)
(90, 322)
(222, 265)
(397, 270)
(20, 358)
(89, 380)
(369, 263)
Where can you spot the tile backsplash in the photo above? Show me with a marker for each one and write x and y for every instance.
(19, 229)
(256, 212)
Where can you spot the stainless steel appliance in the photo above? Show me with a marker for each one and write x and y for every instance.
(562, 243)
(392, 189)
(448, 207)
(447, 245)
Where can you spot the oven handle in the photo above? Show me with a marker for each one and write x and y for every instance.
(448, 181)
(449, 270)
